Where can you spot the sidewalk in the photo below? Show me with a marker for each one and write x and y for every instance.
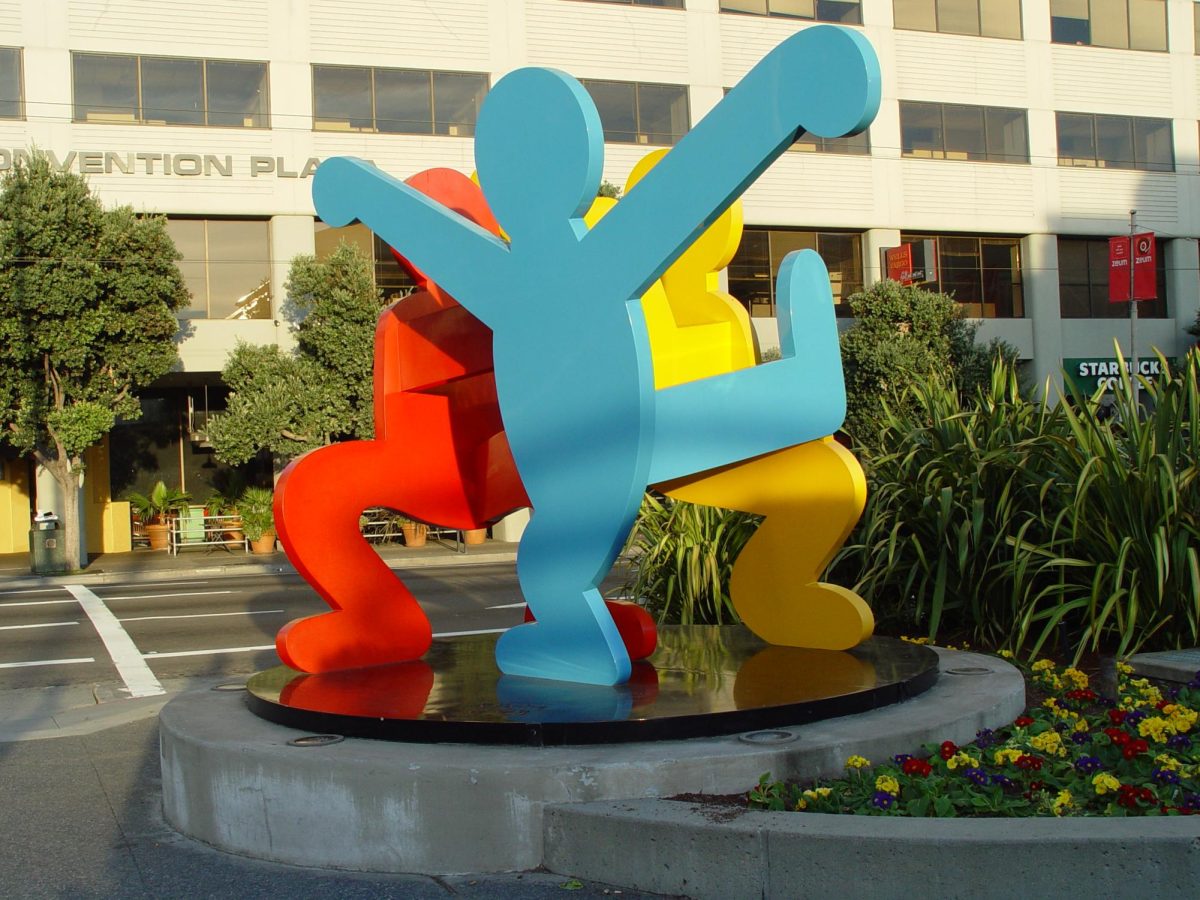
(154, 565)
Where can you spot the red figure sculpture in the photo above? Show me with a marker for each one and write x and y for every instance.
(439, 455)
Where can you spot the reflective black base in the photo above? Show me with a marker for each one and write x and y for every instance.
(701, 681)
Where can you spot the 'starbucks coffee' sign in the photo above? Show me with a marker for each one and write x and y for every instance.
(1092, 373)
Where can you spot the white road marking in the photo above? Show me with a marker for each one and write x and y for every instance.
(35, 603)
(43, 625)
(47, 662)
(508, 605)
(158, 584)
(154, 655)
(125, 654)
(466, 633)
(33, 591)
(256, 612)
(161, 596)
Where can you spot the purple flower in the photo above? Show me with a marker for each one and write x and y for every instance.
(1179, 742)
(1191, 801)
(1080, 737)
(1107, 702)
(901, 758)
(1086, 765)
(1004, 781)
(1134, 717)
(1060, 727)
(976, 776)
(985, 738)
(1165, 776)
(883, 800)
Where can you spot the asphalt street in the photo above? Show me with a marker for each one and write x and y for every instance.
(81, 813)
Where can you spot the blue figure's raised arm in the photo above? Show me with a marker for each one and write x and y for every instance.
(712, 422)
(461, 257)
(824, 80)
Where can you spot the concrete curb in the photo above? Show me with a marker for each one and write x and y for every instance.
(706, 852)
(231, 780)
(1179, 666)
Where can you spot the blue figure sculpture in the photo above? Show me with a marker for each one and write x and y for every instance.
(572, 357)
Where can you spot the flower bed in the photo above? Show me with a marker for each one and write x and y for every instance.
(1078, 754)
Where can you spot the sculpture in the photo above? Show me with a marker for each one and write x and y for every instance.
(574, 375)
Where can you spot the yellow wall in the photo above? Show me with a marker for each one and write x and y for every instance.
(14, 507)
(108, 525)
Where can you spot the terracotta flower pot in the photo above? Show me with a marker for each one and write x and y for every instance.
(474, 536)
(157, 534)
(265, 544)
(415, 534)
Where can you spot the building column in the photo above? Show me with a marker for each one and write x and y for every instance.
(290, 236)
(874, 241)
(1039, 280)
(1183, 289)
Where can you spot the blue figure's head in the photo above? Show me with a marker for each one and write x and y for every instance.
(539, 148)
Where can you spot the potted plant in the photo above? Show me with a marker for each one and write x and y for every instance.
(155, 508)
(225, 504)
(415, 533)
(256, 507)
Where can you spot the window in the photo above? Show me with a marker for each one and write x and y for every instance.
(389, 276)
(1124, 24)
(981, 273)
(950, 131)
(1083, 282)
(163, 90)
(670, 4)
(635, 113)
(846, 11)
(1115, 142)
(755, 266)
(226, 266)
(986, 18)
(857, 145)
(397, 101)
(11, 88)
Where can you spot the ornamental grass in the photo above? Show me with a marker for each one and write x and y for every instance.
(1077, 754)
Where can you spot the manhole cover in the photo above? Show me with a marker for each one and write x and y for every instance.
(767, 737)
(316, 740)
(969, 670)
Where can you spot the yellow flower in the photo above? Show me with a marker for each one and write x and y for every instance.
(1105, 784)
(1124, 668)
(1042, 665)
(888, 784)
(801, 804)
(1155, 728)
(1049, 742)
(961, 759)
(1081, 725)
(1076, 679)
(1182, 719)
(1062, 802)
(818, 793)
(1007, 755)
(1164, 761)
(912, 640)
(857, 762)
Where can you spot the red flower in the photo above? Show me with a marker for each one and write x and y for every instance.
(1117, 736)
(1028, 762)
(1160, 704)
(916, 766)
(1022, 721)
(948, 749)
(1134, 748)
(1116, 716)
(1081, 694)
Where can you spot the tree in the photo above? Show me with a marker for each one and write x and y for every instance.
(87, 317)
(904, 333)
(287, 403)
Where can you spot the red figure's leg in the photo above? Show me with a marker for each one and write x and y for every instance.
(634, 624)
(375, 619)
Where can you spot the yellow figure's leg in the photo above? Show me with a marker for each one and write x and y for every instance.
(811, 495)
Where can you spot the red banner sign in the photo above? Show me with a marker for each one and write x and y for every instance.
(1143, 281)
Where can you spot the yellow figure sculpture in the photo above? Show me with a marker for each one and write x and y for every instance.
(811, 495)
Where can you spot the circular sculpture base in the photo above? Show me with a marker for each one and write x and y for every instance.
(702, 681)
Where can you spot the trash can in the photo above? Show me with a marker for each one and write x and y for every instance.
(46, 552)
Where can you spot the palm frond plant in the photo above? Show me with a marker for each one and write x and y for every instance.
(681, 556)
(257, 510)
(155, 507)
